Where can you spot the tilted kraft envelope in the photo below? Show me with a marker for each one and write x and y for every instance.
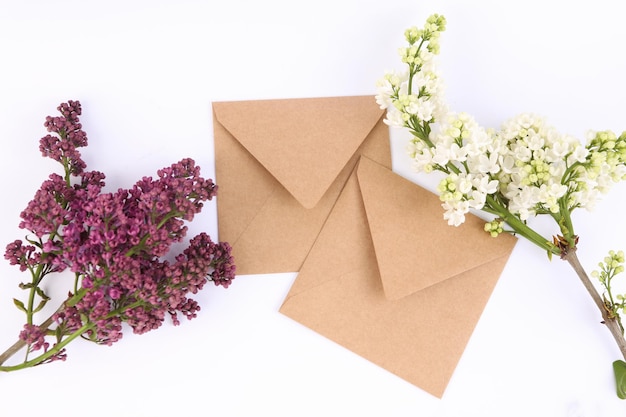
(280, 166)
(388, 279)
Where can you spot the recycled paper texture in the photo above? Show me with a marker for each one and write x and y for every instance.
(306, 185)
(280, 167)
(388, 278)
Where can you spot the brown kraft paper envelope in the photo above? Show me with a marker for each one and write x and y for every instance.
(389, 280)
(280, 166)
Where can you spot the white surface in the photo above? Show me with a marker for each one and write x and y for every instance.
(146, 73)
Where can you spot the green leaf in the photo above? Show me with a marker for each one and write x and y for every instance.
(33, 242)
(41, 293)
(41, 305)
(58, 333)
(25, 286)
(19, 304)
(619, 367)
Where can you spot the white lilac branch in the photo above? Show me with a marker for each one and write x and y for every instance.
(523, 170)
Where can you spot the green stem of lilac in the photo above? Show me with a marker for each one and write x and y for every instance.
(65, 161)
(494, 207)
(413, 69)
(36, 279)
(20, 344)
(167, 217)
(566, 225)
(518, 226)
(50, 353)
(76, 282)
(17, 346)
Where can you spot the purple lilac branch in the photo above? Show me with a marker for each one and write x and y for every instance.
(114, 244)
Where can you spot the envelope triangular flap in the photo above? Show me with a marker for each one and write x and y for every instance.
(304, 143)
(415, 247)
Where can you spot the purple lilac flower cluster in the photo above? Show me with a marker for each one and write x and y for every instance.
(63, 148)
(114, 243)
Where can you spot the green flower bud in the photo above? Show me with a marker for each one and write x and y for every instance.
(412, 34)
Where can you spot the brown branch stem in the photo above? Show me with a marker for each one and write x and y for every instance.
(608, 320)
(20, 344)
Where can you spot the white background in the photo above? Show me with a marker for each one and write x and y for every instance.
(146, 73)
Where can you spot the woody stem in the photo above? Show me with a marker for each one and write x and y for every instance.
(17, 346)
(610, 321)
(20, 344)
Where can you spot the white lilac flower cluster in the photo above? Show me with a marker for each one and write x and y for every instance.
(545, 172)
(418, 91)
(470, 156)
(524, 169)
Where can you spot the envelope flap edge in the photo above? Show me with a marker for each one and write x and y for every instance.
(415, 248)
(304, 143)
